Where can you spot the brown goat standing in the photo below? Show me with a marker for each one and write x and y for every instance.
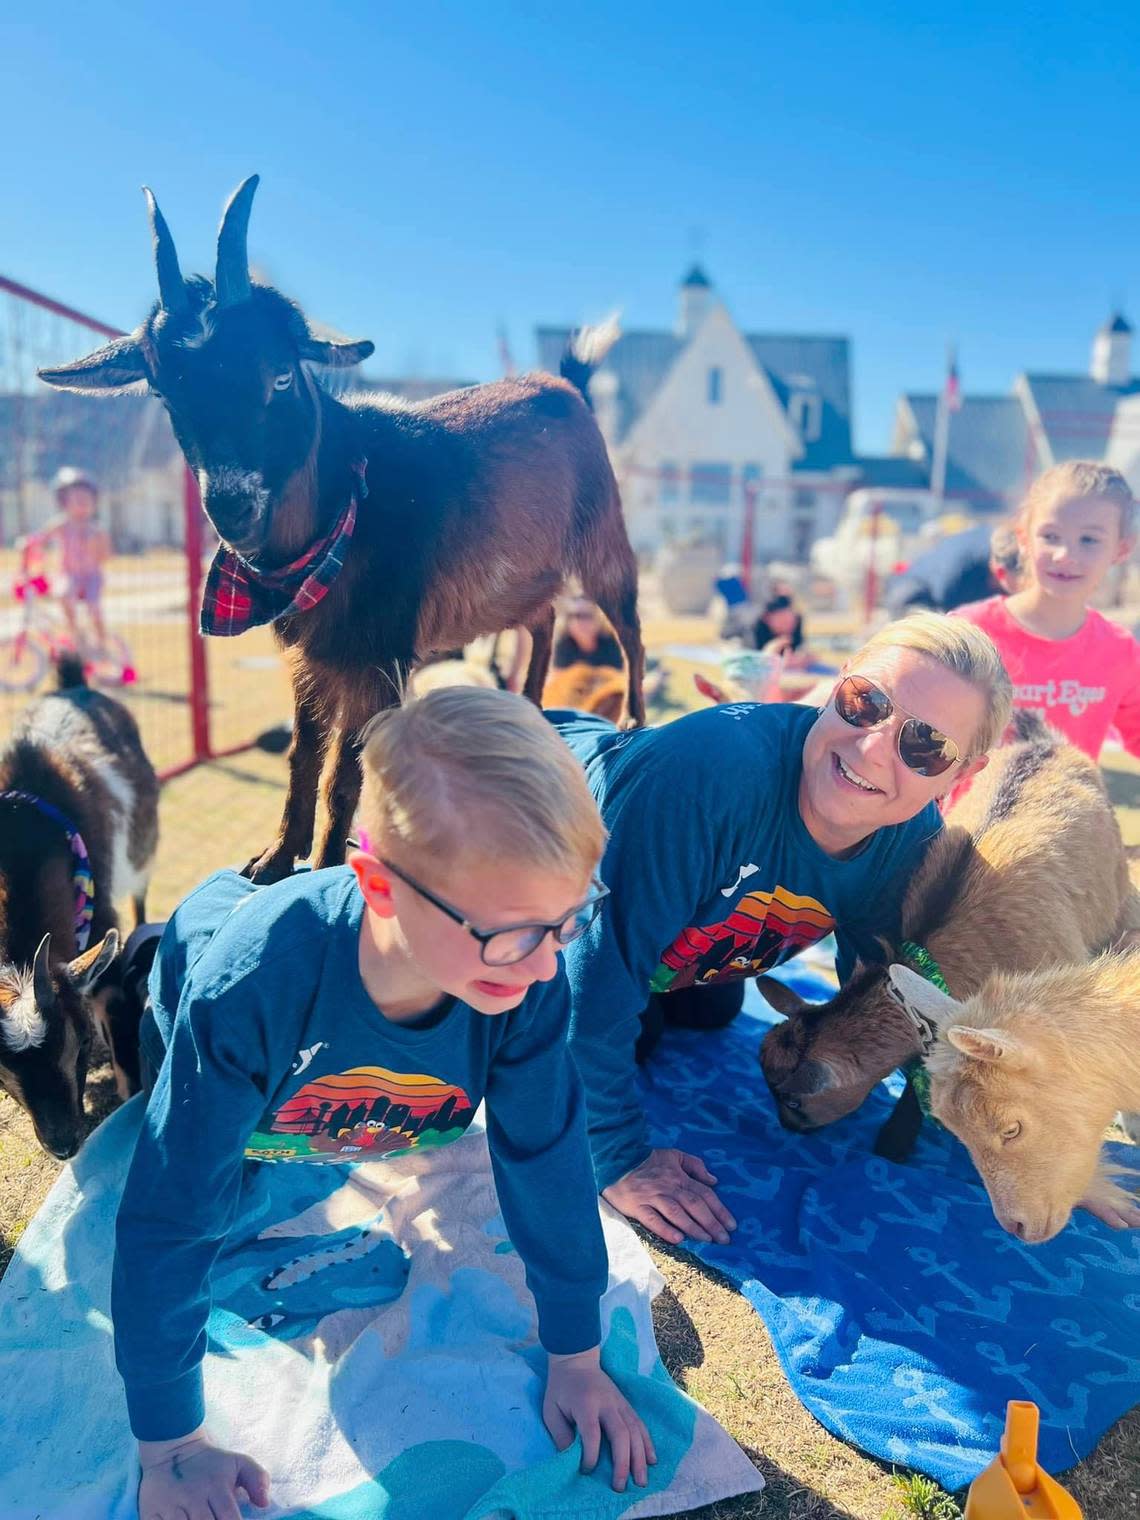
(1029, 872)
(472, 509)
(1027, 1073)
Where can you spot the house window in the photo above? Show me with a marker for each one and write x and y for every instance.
(716, 383)
(711, 484)
(670, 482)
(805, 412)
(804, 501)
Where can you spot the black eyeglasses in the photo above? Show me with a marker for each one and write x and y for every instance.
(922, 748)
(503, 947)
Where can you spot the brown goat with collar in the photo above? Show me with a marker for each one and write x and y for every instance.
(1029, 872)
(74, 754)
(474, 507)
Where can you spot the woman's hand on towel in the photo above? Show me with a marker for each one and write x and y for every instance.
(579, 1396)
(192, 1479)
(671, 1193)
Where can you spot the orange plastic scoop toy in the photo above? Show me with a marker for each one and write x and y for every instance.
(1013, 1487)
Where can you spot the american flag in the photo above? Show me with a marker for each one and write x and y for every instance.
(952, 392)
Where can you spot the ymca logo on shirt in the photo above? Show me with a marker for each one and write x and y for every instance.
(1065, 693)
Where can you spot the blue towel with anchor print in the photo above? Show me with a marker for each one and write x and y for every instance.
(903, 1315)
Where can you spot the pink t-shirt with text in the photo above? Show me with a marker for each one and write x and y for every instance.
(1083, 685)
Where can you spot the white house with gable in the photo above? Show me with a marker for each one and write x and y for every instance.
(706, 419)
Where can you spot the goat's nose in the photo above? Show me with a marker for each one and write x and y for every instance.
(1018, 1227)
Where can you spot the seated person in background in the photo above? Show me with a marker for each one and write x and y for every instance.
(779, 630)
(1005, 558)
(585, 638)
(587, 671)
(434, 951)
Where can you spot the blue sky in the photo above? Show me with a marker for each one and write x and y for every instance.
(903, 173)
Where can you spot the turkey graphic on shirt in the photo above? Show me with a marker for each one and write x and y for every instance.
(763, 929)
(362, 1114)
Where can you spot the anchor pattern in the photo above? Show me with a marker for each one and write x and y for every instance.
(904, 1316)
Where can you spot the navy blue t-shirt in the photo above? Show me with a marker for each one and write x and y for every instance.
(276, 1053)
(713, 876)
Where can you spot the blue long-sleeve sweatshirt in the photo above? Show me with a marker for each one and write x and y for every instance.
(713, 876)
(276, 1052)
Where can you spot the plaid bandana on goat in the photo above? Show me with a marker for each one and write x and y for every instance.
(239, 596)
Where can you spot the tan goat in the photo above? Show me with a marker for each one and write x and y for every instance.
(1030, 872)
(1027, 1073)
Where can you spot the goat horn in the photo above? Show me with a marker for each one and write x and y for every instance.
(41, 974)
(171, 289)
(231, 279)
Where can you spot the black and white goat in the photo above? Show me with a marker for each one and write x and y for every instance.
(371, 533)
(78, 831)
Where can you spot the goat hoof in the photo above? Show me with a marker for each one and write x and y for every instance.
(265, 869)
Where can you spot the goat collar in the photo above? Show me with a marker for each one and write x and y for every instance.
(925, 964)
(239, 596)
(81, 877)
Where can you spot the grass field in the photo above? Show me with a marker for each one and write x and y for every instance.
(712, 1341)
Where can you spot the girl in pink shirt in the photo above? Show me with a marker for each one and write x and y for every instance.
(1066, 661)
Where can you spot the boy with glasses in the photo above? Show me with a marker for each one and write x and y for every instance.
(297, 1021)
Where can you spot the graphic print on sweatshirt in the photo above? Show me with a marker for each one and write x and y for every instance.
(362, 1114)
(763, 929)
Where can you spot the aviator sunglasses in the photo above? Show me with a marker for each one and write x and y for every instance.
(503, 947)
(922, 748)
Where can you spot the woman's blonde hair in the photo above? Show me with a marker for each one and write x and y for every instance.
(1079, 480)
(466, 772)
(959, 647)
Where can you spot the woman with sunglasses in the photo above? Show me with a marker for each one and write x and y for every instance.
(361, 1012)
(740, 834)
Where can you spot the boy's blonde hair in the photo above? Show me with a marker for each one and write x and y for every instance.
(959, 647)
(1079, 480)
(467, 772)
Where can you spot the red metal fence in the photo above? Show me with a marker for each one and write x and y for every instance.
(193, 702)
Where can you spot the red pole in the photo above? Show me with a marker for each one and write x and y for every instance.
(26, 294)
(746, 544)
(199, 669)
(872, 587)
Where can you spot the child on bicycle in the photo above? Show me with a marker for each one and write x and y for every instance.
(1080, 671)
(84, 548)
(435, 950)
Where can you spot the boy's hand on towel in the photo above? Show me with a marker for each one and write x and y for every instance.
(579, 1396)
(192, 1479)
(671, 1193)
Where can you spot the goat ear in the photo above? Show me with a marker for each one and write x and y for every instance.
(116, 367)
(984, 1044)
(86, 969)
(923, 997)
(780, 996)
(336, 355)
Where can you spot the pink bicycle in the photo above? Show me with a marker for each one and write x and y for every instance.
(27, 655)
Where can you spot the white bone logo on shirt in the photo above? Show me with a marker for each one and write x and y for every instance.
(305, 1057)
(742, 875)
